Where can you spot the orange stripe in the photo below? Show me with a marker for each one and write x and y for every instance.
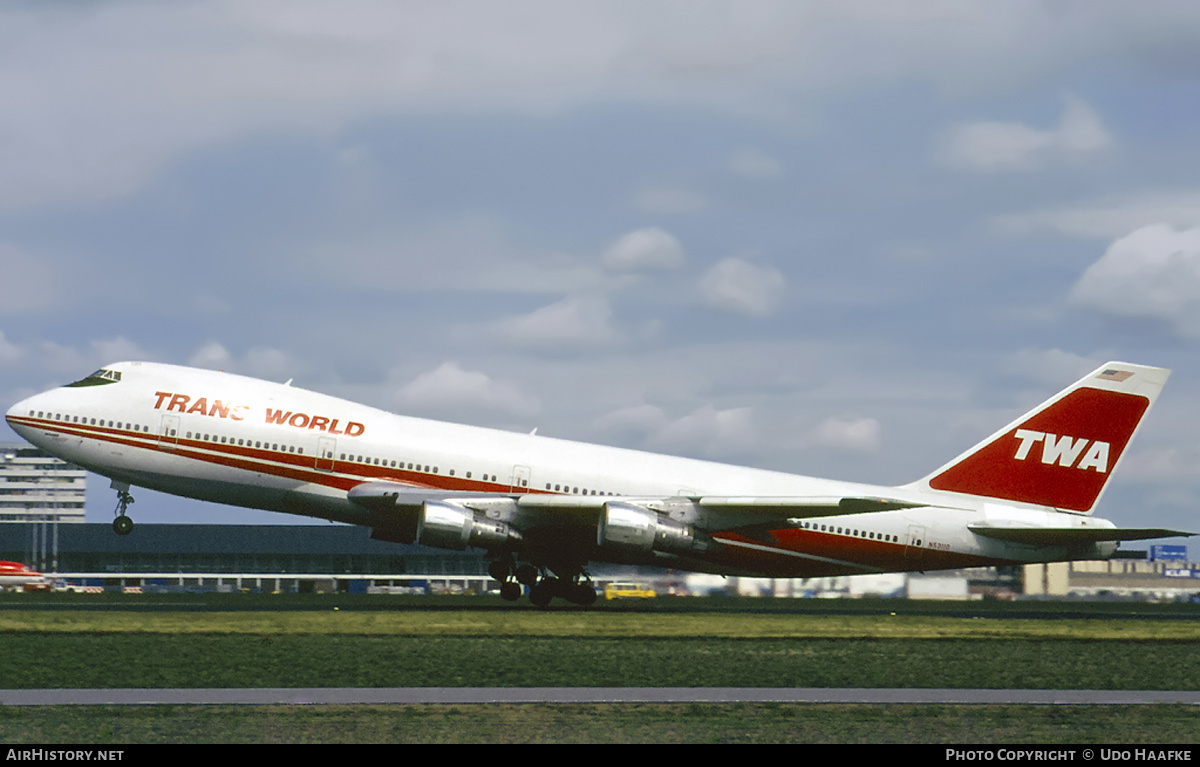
(287, 465)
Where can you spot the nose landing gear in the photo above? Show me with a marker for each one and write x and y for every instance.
(122, 524)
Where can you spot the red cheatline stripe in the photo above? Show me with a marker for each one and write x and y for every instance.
(853, 551)
(287, 465)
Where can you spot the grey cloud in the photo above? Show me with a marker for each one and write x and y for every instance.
(1010, 146)
(1153, 272)
(644, 249)
(738, 286)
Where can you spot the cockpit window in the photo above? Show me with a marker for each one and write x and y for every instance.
(99, 378)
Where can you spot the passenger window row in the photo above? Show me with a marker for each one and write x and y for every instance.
(868, 534)
(84, 420)
(576, 490)
(204, 437)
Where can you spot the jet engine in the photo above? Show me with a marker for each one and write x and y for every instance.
(635, 530)
(447, 526)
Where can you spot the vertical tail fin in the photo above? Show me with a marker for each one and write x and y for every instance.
(1063, 452)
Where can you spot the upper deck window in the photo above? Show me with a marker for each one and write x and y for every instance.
(99, 378)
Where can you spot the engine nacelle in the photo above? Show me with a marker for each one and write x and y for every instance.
(452, 527)
(637, 530)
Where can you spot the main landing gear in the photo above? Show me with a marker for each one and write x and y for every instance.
(543, 586)
(122, 524)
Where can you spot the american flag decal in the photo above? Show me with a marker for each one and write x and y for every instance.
(1114, 375)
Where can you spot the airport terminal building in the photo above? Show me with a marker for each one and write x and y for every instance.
(264, 558)
(257, 558)
(36, 486)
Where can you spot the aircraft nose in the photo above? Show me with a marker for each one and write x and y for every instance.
(20, 411)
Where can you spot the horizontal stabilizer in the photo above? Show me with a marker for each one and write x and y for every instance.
(1066, 536)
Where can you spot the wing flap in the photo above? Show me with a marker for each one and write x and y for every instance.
(390, 494)
(1066, 536)
(375, 495)
(804, 507)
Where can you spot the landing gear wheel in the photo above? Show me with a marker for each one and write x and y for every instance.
(499, 569)
(543, 591)
(582, 594)
(122, 525)
(526, 574)
(510, 591)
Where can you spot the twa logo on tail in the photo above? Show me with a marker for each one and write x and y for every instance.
(1064, 450)
(1041, 459)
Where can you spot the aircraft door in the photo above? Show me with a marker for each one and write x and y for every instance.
(914, 546)
(326, 447)
(520, 479)
(168, 432)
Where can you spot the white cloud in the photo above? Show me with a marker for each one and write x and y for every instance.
(258, 362)
(213, 356)
(451, 388)
(1153, 272)
(1009, 146)
(754, 164)
(737, 286)
(644, 249)
(573, 323)
(100, 99)
(708, 431)
(858, 435)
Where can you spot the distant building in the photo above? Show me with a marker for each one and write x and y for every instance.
(1114, 579)
(37, 487)
(263, 558)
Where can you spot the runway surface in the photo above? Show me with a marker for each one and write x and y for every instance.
(474, 695)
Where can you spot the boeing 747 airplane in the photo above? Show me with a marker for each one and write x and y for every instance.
(544, 508)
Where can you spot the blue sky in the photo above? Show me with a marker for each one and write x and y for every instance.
(844, 240)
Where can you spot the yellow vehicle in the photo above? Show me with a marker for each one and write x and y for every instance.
(624, 590)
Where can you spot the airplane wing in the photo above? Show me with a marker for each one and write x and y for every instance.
(382, 495)
(457, 519)
(708, 512)
(1067, 536)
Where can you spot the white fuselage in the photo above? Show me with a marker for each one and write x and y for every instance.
(241, 441)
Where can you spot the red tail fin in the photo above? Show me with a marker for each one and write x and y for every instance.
(1062, 453)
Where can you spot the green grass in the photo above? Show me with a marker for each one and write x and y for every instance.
(38, 660)
(753, 643)
(634, 723)
(240, 641)
(678, 618)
